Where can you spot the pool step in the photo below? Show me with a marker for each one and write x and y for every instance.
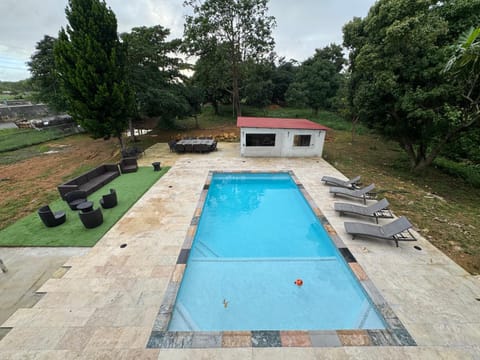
(365, 313)
(185, 318)
(204, 249)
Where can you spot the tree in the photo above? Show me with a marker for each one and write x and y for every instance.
(464, 69)
(258, 82)
(154, 73)
(283, 75)
(396, 85)
(45, 77)
(241, 25)
(464, 65)
(318, 79)
(212, 75)
(91, 63)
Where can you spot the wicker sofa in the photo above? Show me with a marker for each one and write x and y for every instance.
(91, 180)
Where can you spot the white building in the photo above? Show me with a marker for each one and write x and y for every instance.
(275, 137)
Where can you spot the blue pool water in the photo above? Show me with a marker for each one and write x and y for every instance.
(256, 236)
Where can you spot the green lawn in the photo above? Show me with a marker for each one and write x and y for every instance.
(13, 139)
(30, 231)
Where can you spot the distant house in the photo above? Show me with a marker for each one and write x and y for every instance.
(276, 137)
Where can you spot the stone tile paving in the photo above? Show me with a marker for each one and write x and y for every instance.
(110, 297)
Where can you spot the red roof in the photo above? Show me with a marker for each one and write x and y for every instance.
(278, 123)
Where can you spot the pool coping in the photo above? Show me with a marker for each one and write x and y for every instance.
(395, 334)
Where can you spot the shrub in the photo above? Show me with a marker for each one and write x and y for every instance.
(468, 172)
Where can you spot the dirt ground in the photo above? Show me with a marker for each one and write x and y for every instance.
(29, 183)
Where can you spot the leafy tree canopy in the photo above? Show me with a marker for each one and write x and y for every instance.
(212, 75)
(396, 56)
(45, 77)
(243, 26)
(91, 63)
(155, 73)
(317, 79)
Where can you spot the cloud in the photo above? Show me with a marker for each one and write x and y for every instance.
(302, 26)
(306, 25)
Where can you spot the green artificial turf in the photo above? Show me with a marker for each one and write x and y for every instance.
(30, 231)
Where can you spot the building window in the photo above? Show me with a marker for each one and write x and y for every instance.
(301, 140)
(260, 139)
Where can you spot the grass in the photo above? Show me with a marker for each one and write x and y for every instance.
(14, 139)
(468, 172)
(30, 231)
(442, 207)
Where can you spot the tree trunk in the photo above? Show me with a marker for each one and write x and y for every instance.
(132, 130)
(215, 107)
(197, 125)
(120, 140)
(235, 92)
(354, 125)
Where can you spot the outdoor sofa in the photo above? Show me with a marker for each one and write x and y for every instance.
(90, 181)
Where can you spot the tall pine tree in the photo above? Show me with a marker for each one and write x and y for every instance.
(91, 64)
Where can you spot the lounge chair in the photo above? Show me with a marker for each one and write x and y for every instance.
(397, 230)
(364, 193)
(377, 210)
(349, 184)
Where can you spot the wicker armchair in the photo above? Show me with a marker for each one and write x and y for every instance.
(128, 165)
(110, 200)
(50, 218)
(92, 219)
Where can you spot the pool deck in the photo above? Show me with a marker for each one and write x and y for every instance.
(106, 304)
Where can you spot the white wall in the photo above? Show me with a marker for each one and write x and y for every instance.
(283, 143)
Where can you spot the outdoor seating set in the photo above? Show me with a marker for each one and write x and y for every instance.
(397, 230)
(197, 145)
(76, 191)
(77, 200)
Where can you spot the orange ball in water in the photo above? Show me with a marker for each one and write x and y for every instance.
(299, 282)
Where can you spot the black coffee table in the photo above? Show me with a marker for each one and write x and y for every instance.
(85, 206)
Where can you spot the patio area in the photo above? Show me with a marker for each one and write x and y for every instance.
(106, 303)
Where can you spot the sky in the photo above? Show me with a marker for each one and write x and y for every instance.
(302, 25)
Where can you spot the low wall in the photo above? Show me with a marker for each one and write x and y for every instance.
(19, 112)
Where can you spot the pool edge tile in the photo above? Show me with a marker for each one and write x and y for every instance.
(267, 338)
(235, 339)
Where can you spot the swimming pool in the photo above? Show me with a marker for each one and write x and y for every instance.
(256, 236)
